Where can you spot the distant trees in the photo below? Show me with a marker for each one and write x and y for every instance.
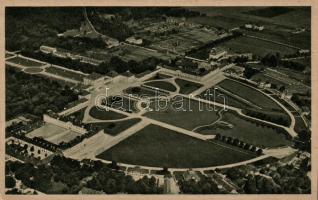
(9, 182)
(41, 94)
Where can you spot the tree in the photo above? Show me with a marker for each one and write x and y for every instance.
(9, 182)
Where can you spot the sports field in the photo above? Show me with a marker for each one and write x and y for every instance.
(255, 46)
(249, 132)
(183, 112)
(25, 62)
(156, 146)
(249, 93)
(53, 133)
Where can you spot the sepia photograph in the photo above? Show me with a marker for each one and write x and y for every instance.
(178, 100)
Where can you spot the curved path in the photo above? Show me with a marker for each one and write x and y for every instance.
(290, 129)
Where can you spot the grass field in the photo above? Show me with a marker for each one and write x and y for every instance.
(249, 132)
(33, 70)
(142, 92)
(162, 85)
(186, 87)
(185, 41)
(216, 95)
(54, 134)
(301, 40)
(146, 148)
(300, 124)
(123, 103)
(105, 115)
(258, 47)
(189, 117)
(113, 128)
(25, 62)
(65, 73)
(138, 54)
(249, 94)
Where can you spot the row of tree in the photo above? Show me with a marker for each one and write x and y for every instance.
(238, 143)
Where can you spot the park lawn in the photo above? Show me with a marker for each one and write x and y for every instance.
(186, 87)
(258, 47)
(281, 118)
(105, 115)
(142, 92)
(249, 94)
(65, 73)
(25, 62)
(217, 96)
(189, 117)
(162, 85)
(33, 70)
(113, 128)
(123, 103)
(249, 132)
(300, 124)
(159, 147)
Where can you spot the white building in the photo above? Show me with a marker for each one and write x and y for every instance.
(133, 40)
(47, 49)
(217, 54)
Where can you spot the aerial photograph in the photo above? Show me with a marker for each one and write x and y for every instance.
(157, 100)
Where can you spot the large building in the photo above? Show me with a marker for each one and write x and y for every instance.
(217, 54)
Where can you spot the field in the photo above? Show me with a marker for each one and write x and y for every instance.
(113, 128)
(249, 94)
(185, 41)
(258, 47)
(300, 40)
(215, 95)
(162, 85)
(249, 132)
(25, 62)
(54, 134)
(105, 115)
(188, 116)
(65, 73)
(300, 124)
(33, 70)
(180, 151)
(186, 87)
(142, 92)
(122, 103)
(138, 54)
